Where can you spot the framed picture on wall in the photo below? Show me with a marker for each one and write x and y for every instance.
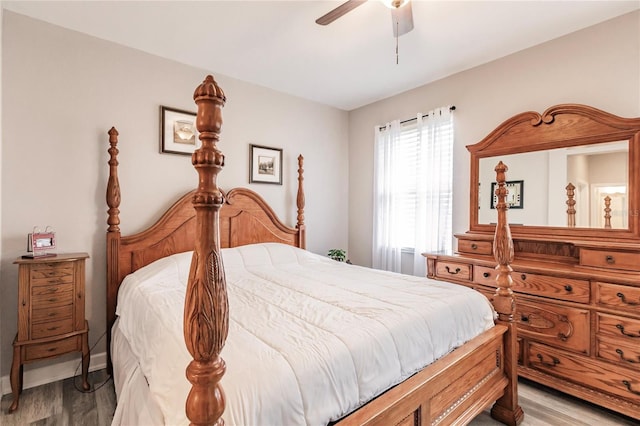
(265, 164)
(515, 195)
(178, 133)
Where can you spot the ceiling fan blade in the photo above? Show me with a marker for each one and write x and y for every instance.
(402, 19)
(339, 11)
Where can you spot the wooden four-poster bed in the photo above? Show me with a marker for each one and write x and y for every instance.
(452, 390)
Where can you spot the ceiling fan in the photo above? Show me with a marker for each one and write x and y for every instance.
(401, 14)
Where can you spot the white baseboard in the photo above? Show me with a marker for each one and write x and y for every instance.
(52, 373)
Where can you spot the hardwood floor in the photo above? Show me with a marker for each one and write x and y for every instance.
(61, 403)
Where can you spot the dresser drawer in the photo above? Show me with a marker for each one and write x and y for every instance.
(475, 247)
(51, 328)
(626, 329)
(52, 314)
(610, 259)
(51, 300)
(618, 381)
(47, 290)
(562, 326)
(458, 271)
(49, 349)
(540, 285)
(618, 296)
(627, 355)
(51, 273)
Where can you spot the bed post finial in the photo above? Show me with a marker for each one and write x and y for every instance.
(571, 202)
(113, 185)
(206, 313)
(300, 202)
(506, 409)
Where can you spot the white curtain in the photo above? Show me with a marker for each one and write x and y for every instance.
(387, 249)
(413, 183)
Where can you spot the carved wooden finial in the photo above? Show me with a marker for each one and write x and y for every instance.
(607, 212)
(503, 249)
(571, 202)
(300, 202)
(206, 314)
(113, 185)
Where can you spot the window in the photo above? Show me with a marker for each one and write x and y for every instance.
(413, 189)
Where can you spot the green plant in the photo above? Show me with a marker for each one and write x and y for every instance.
(337, 254)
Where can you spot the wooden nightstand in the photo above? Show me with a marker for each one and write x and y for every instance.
(51, 318)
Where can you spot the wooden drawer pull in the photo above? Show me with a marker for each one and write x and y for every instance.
(523, 276)
(555, 361)
(610, 260)
(52, 328)
(524, 318)
(628, 385)
(474, 246)
(624, 300)
(452, 273)
(52, 349)
(621, 328)
(619, 352)
(568, 288)
(486, 275)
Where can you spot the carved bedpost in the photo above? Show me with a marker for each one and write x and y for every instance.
(206, 311)
(113, 237)
(300, 202)
(571, 202)
(506, 409)
(607, 212)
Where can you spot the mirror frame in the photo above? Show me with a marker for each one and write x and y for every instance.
(560, 126)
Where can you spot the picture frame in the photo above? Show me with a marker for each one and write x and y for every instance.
(515, 195)
(265, 164)
(178, 133)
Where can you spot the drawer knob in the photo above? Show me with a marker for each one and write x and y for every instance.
(624, 300)
(610, 259)
(619, 352)
(52, 328)
(523, 277)
(452, 273)
(51, 349)
(554, 361)
(568, 288)
(628, 385)
(524, 318)
(621, 328)
(486, 274)
(474, 246)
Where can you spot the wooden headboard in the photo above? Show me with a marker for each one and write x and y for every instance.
(245, 218)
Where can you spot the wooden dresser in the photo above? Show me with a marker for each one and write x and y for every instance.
(577, 288)
(51, 320)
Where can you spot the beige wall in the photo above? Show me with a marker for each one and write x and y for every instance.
(64, 90)
(598, 66)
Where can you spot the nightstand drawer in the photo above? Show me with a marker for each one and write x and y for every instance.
(51, 275)
(43, 301)
(51, 289)
(610, 259)
(618, 296)
(475, 247)
(52, 314)
(562, 326)
(49, 349)
(540, 285)
(458, 271)
(52, 328)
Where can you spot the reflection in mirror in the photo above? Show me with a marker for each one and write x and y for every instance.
(599, 176)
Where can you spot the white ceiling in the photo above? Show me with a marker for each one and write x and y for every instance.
(346, 64)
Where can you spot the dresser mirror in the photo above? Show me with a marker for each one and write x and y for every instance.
(573, 172)
(541, 197)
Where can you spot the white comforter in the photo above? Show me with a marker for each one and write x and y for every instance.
(310, 339)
